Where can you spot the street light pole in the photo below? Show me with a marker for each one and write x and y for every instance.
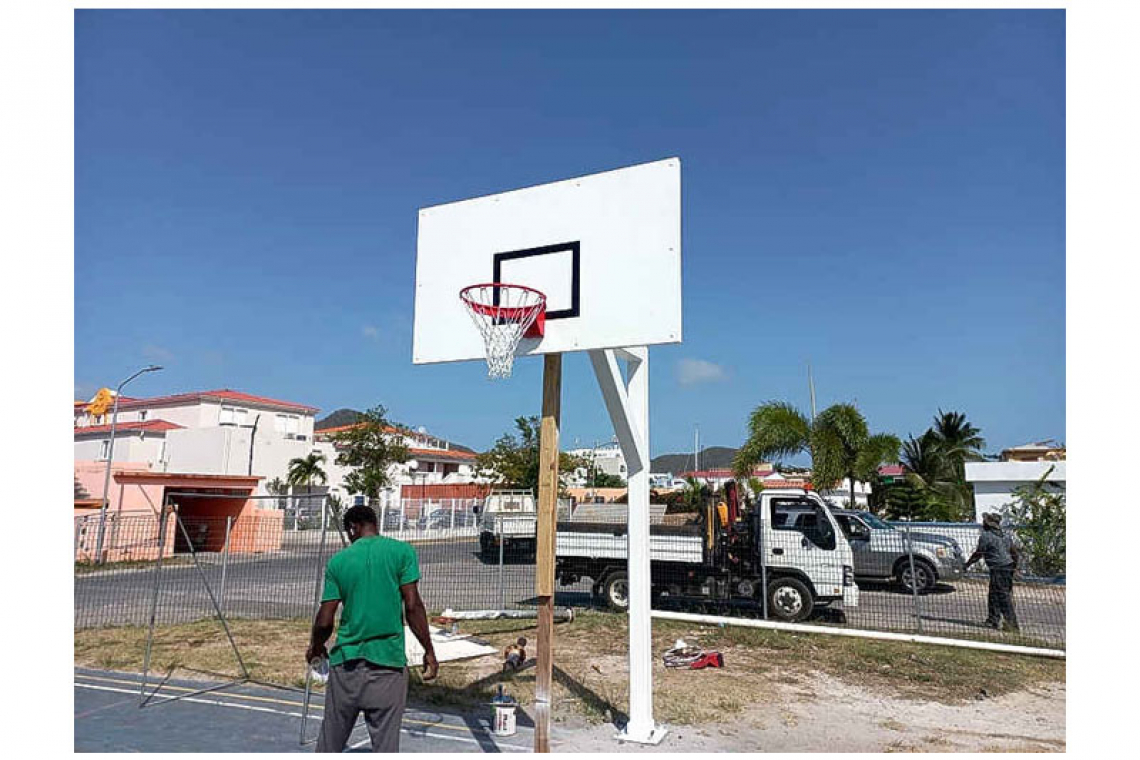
(110, 459)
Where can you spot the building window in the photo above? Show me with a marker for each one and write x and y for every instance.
(104, 449)
(232, 415)
(288, 424)
(142, 415)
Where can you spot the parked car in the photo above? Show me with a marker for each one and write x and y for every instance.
(442, 519)
(880, 551)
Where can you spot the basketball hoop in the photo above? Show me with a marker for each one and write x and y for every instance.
(503, 314)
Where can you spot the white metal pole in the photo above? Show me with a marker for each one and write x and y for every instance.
(858, 633)
(641, 727)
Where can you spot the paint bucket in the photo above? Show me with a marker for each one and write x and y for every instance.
(503, 724)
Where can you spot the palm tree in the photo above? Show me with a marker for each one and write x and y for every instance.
(929, 471)
(305, 471)
(959, 441)
(837, 440)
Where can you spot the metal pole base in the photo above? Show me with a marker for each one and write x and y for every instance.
(642, 734)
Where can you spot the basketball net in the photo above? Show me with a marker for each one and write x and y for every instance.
(503, 314)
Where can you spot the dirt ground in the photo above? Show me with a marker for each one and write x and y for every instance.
(824, 714)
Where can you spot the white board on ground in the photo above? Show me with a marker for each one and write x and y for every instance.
(605, 249)
(448, 648)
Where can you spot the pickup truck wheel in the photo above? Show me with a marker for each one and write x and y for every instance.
(924, 577)
(615, 590)
(789, 599)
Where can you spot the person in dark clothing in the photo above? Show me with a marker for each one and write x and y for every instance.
(1002, 554)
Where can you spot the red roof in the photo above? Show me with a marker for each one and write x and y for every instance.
(146, 426)
(891, 470)
(441, 453)
(223, 394)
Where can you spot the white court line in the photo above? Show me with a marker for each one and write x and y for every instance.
(258, 708)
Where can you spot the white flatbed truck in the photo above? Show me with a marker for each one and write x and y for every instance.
(507, 518)
(804, 564)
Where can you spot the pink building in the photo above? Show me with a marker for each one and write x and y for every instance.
(204, 503)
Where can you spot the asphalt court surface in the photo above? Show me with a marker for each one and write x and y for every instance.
(249, 718)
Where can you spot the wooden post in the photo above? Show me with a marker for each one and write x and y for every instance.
(544, 549)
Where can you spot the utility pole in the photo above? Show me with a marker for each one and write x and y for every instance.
(811, 390)
(110, 459)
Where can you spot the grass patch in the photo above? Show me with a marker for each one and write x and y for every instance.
(591, 667)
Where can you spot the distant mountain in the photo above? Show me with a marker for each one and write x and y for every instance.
(342, 417)
(711, 458)
(338, 418)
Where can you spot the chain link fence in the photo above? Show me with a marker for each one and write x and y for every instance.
(866, 574)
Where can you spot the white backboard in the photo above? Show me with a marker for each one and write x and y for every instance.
(604, 248)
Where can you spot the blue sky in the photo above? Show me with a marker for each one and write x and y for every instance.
(879, 193)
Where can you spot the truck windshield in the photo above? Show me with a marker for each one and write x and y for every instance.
(875, 522)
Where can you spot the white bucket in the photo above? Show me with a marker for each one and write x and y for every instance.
(503, 723)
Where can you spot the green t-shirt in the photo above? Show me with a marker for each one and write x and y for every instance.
(366, 577)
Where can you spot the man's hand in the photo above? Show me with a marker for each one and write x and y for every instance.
(431, 666)
(315, 653)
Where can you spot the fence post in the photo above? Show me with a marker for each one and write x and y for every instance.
(913, 579)
(225, 563)
(502, 586)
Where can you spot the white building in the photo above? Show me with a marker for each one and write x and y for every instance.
(606, 458)
(431, 461)
(995, 482)
(219, 432)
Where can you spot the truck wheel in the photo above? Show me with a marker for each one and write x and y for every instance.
(925, 578)
(789, 599)
(615, 591)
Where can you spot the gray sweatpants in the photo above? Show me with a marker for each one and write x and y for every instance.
(357, 686)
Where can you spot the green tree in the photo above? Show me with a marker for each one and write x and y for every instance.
(277, 487)
(838, 442)
(370, 448)
(303, 471)
(514, 459)
(935, 464)
(958, 440)
(606, 480)
(1038, 516)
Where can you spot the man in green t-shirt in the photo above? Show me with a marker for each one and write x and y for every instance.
(375, 579)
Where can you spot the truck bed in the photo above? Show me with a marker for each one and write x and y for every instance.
(667, 543)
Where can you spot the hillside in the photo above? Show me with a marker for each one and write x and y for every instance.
(711, 458)
(337, 419)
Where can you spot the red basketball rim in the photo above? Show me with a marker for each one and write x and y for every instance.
(535, 311)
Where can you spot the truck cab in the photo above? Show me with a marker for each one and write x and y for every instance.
(803, 550)
(507, 518)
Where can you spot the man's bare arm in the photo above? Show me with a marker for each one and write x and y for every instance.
(322, 629)
(416, 616)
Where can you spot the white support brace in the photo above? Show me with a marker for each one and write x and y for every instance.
(616, 396)
(627, 400)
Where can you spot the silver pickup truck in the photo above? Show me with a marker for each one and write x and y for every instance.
(881, 553)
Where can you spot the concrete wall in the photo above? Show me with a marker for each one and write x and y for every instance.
(225, 450)
(129, 447)
(995, 482)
